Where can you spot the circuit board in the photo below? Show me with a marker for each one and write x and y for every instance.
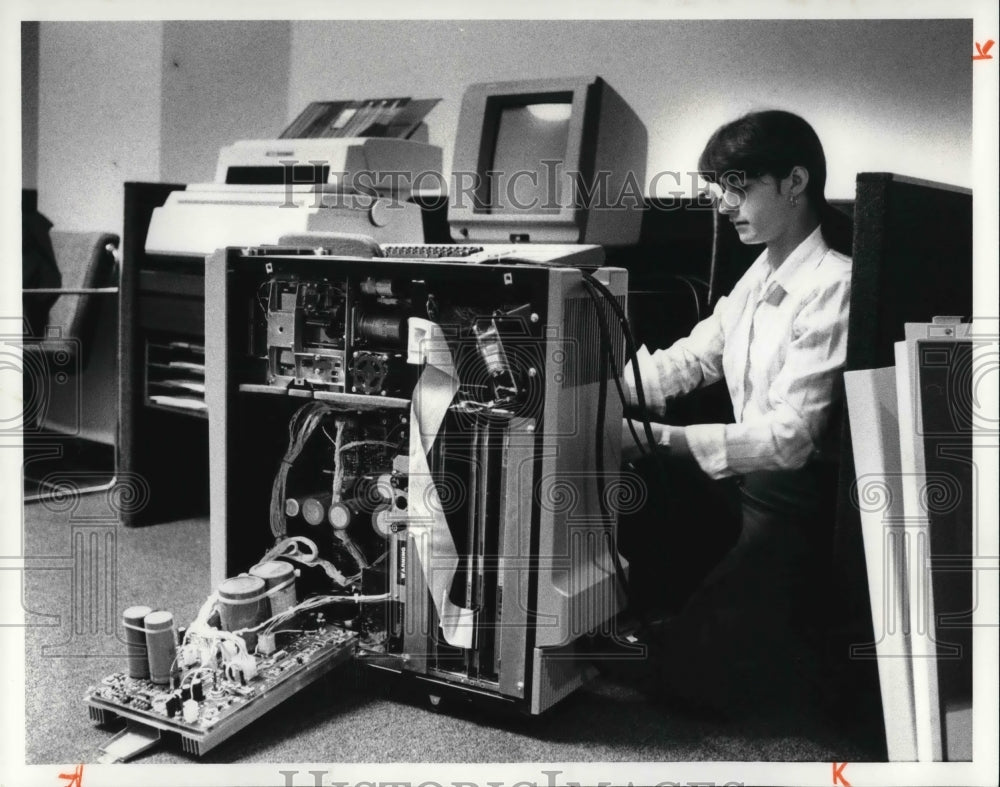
(222, 706)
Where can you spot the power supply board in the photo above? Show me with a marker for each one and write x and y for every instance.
(212, 706)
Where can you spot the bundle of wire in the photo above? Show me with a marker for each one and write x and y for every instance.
(339, 448)
(270, 625)
(291, 548)
(301, 426)
(205, 647)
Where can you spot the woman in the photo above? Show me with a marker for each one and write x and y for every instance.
(779, 340)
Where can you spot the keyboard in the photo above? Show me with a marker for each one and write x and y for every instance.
(429, 251)
(552, 254)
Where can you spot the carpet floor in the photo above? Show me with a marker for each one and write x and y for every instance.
(350, 715)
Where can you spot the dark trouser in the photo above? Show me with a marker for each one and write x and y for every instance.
(749, 636)
(688, 523)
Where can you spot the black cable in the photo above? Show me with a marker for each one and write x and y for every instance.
(614, 372)
(633, 358)
(607, 361)
(640, 395)
(629, 340)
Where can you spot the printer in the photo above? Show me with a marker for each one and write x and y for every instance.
(268, 189)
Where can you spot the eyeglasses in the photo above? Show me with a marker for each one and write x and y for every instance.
(731, 196)
(731, 189)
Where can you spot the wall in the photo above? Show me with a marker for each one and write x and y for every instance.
(112, 106)
(222, 81)
(883, 95)
(98, 118)
(29, 105)
(148, 101)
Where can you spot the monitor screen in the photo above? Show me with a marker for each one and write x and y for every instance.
(529, 156)
(547, 161)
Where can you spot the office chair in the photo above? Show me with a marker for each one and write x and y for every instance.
(70, 372)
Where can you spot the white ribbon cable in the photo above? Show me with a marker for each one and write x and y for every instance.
(426, 523)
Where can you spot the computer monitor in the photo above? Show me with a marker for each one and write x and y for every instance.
(547, 161)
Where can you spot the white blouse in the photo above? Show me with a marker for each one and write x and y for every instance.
(780, 340)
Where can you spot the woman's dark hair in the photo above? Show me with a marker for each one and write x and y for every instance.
(772, 143)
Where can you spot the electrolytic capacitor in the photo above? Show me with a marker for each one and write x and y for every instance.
(135, 641)
(161, 644)
(314, 508)
(383, 486)
(345, 513)
(382, 520)
(292, 507)
(279, 577)
(243, 604)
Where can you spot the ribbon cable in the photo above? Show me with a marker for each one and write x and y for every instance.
(436, 553)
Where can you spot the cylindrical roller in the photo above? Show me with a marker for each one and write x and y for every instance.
(161, 644)
(135, 641)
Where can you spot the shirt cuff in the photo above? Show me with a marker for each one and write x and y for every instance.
(707, 443)
(651, 388)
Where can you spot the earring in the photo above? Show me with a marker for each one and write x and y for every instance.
(793, 200)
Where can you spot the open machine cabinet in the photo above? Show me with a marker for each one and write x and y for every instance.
(432, 427)
(414, 466)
